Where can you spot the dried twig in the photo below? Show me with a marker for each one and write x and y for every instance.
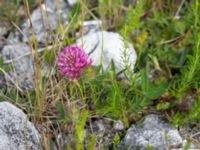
(179, 9)
(171, 40)
(196, 134)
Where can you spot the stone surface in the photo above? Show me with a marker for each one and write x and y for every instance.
(16, 132)
(72, 2)
(22, 72)
(92, 26)
(45, 23)
(152, 132)
(112, 47)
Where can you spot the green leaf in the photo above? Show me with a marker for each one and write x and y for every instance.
(1, 62)
(145, 82)
(180, 27)
(116, 141)
(80, 129)
(156, 91)
(74, 15)
(91, 145)
(163, 106)
(8, 68)
(61, 110)
(113, 72)
(49, 57)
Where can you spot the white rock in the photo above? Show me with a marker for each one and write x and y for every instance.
(72, 2)
(111, 46)
(16, 132)
(93, 23)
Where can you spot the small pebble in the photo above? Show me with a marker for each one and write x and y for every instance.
(119, 125)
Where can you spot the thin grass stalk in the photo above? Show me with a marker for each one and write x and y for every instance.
(36, 67)
(82, 20)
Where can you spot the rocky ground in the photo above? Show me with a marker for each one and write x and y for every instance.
(18, 133)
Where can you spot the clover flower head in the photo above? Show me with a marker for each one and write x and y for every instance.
(72, 61)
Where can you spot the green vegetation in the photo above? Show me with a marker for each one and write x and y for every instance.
(166, 36)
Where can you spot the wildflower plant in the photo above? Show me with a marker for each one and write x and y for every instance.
(72, 61)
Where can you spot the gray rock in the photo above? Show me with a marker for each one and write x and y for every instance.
(13, 38)
(110, 46)
(45, 21)
(22, 72)
(3, 28)
(16, 132)
(152, 132)
(4, 141)
(92, 26)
